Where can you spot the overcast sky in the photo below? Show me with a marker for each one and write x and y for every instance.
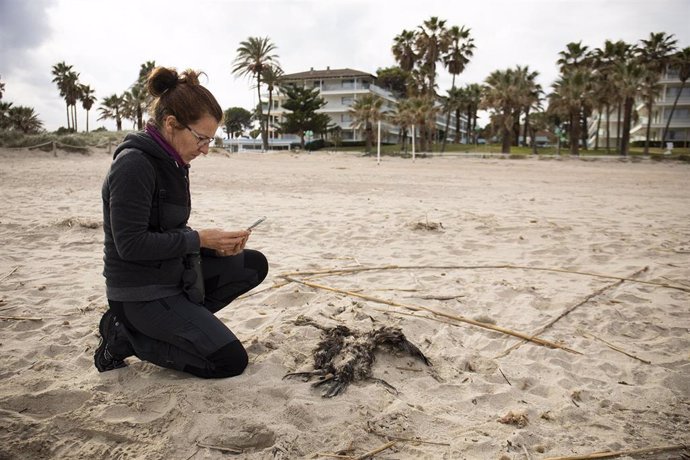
(107, 40)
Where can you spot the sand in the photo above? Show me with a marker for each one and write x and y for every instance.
(466, 236)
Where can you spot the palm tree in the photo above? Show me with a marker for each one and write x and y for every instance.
(24, 119)
(680, 60)
(60, 71)
(455, 102)
(506, 92)
(630, 78)
(423, 111)
(460, 50)
(402, 117)
(605, 61)
(655, 54)
(404, 50)
(473, 98)
(2, 88)
(575, 55)
(87, 100)
(272, 76)
(566, 99)
(253, 56)
(135, 104)
(5, 115)
(111, 107)
(432, 43)
(365, 112)
(72, 91)
(529, 93)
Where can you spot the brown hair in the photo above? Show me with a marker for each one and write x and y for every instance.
(181, 96)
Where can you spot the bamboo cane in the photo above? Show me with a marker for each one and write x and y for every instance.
(437, 312)
(20, 318)
(619, 453)
(477, 267)
(567, 311)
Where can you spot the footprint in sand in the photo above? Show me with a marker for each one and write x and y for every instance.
(47, 404)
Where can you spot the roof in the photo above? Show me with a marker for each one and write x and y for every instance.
(328, 73)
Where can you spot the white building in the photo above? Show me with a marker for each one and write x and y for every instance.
(340, 88)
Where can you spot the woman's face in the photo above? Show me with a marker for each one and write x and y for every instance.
(191, 140)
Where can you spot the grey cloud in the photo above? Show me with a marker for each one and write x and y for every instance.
(24, 25)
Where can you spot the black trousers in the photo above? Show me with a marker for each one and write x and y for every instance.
(177, 333)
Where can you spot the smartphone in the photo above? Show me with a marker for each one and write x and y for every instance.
(256, 223)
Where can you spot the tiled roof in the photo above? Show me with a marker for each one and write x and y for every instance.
(328, 73)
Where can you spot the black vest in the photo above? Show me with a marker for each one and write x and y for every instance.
(172, 201)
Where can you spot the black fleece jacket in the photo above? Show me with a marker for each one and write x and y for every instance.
(146, 206)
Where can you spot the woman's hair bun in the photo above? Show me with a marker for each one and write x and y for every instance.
(160, 80)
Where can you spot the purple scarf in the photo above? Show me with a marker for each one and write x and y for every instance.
(151, 130)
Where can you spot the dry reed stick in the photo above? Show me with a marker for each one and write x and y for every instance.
(370, 454)
(619, 453)
(231, 450)
(10, 273)
(567, 311)
(412, 440)
(439, 313)
(19, 318)
(476, 267)
(612, 346)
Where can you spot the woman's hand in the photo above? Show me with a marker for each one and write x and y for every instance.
(223, 242)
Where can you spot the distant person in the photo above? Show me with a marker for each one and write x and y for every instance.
(164, 280)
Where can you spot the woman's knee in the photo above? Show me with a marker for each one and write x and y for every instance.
(229, 361)
(258, 262)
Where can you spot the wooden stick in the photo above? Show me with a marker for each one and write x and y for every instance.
(619, 453)
(19, 318)
(476, 267)
(10, 273)
(397, 438)
(370, 454)
(612, 346)
(439, 313)
(566, 312)
(232, 450)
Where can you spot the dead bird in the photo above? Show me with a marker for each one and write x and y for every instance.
(344, 356)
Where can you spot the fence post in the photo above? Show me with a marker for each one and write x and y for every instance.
(54, 149)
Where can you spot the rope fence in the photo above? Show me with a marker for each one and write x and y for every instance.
(55, 145)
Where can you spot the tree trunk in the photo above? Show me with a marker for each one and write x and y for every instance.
(649, 126)
(673, 109)
(608, 129)
(262, 121)
(618, 128)
(575, 132)
(268, 114)
(445, 134)
(507, 141)
(584, 132)
(524, 131)
(367, 141)
(87, 121)
(69, 123)
(627, 119)
(74, 117)
(596, 135)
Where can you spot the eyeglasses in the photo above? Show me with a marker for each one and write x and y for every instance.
(200, 139)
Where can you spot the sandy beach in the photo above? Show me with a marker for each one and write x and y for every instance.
(592, 257)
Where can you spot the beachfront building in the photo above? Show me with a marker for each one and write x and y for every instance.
(679, 129)
(340, 88)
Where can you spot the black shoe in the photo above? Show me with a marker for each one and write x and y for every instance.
(103, 358)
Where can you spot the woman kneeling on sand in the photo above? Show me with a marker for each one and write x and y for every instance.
(165, 281)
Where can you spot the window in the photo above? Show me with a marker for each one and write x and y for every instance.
(346, 118)
(346, 100)
(348, 84)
